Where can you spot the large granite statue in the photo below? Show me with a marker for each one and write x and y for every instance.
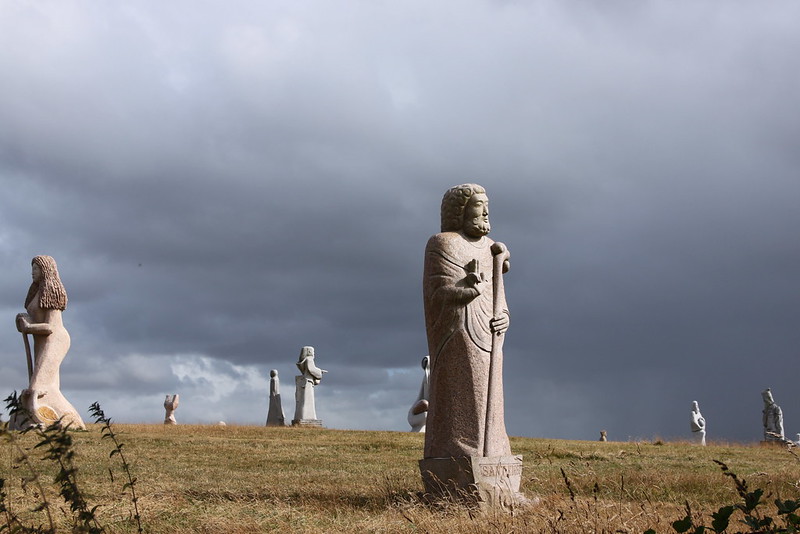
(418, 413)
(305, 413)
(466, 445)
(772, 418)
(698, 424)
(44, 303)
(170, 405)
(275, 413)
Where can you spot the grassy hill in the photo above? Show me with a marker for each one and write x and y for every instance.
(245, 479)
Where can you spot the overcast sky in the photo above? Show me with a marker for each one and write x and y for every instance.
(222, 184)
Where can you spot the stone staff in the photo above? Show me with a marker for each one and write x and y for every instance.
(500, 256)
(28, 355)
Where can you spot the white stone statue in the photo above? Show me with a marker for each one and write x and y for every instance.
(466, 319)
(305, 413)
(418, 413)
(698, 424)
(772, 418)
(44, 303)
(170, 405)
(603, 435)
(275, 413)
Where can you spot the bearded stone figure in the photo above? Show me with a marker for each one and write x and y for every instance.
(44, 303)
(466, 319)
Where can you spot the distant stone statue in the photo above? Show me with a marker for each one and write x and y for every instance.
(698, 424)
(603, 436)
(170, 405)
(466, 318)
(44, 303)
(275, 412)
(305, 413)
(418, 412)
(772, 418)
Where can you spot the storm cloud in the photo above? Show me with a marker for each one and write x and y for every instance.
(221, 185)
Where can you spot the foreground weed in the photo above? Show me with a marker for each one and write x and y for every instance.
(57, 446)
(753, 517)
(108, 433)
(31, 477)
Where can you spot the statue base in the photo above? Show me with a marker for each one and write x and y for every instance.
(314, 423)
(488, 481)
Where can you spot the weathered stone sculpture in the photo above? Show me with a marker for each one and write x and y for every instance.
(275, 413)
(772, 418)
(170, 405)
(44, 303)
(418, 413)
(698, 424)
(603, 435)
(305, 413)
(467, 451)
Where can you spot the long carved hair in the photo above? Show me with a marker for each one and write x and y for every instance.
(54, 296)
(453, 204)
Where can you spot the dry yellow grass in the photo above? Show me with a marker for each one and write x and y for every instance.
(246, 479)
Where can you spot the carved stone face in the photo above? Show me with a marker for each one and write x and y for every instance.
(476, 216)
(36, 273)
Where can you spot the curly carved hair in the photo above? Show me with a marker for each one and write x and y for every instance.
(54, 296)
(453, 204)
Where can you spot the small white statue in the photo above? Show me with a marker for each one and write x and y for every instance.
(305, 413)
(418, 413)
(698, 424)
(772, 418)
(170, 405)
(603, 435)
(44, 303)
(275, 414)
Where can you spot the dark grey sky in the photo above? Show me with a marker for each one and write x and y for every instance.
(223, 184)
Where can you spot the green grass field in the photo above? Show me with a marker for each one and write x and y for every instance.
(246, 479)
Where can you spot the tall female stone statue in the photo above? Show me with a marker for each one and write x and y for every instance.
(44, 303)
(466, 318)
(698, 424)
(418, 413)
(305, 413)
